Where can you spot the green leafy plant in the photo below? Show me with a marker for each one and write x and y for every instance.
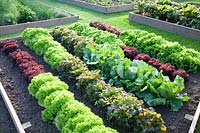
(47, 88)
(8, 12)
(38, 81)
(25, 14)
(81, 123)
(43, 11)
(72, 67)
(90, 83)
(135, 76)
(54, 55)
(54, 102)
(61, 107)
(70, 110)
(158, 47)
(180, 13)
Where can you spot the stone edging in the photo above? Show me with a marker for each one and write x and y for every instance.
(8, 29)
(99, 8)
(163, 25)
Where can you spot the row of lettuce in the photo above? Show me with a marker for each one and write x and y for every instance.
(68, 114)
(132, 53)
(157, 47)
(135, 76)
(24, 61)
(167, 68)
(121, 108)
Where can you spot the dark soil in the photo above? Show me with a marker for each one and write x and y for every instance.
(72, 87)
(29, 110)
(175, 121)
(5, 119)
(25, 105)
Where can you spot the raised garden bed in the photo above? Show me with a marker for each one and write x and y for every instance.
(175, 121)
(29, 14)
(130, 54)
(100, 8)
(25, 105)
(30, 111)
(163, 25)
(11, 110)
(194, 124)
(43, 23)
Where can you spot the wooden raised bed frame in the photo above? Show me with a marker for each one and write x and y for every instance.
(99, 8)
(11, 110)
(163, 25)
(195, 119)
(8, 29)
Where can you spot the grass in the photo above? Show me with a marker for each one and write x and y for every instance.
(197, 130)
(119, 20)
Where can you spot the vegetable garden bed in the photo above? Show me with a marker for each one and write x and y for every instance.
(100, 8)
(175, 121)
(43, 23)
(31, 14)
(163, 25)
(26, 106)
(131, 52)
(28, 110)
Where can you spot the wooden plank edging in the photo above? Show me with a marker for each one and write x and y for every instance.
(100, 8)
(7, 29)
(163, 25)
(11, 110)
(195, 119)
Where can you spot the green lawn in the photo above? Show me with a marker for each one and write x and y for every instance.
(119, 20)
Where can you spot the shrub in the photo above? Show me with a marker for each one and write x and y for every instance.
(8, 12)
(25, 14)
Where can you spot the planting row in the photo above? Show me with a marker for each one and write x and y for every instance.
(136, 76)
(157, 47)
(180, 13)
(68, 114)
(166, 68)
(106, 27)
(132, 53)
(24, 60)
(121, 108)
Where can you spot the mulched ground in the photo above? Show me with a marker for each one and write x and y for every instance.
(25, 105)
(175, 121)
(28, 109)
(5, 119)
